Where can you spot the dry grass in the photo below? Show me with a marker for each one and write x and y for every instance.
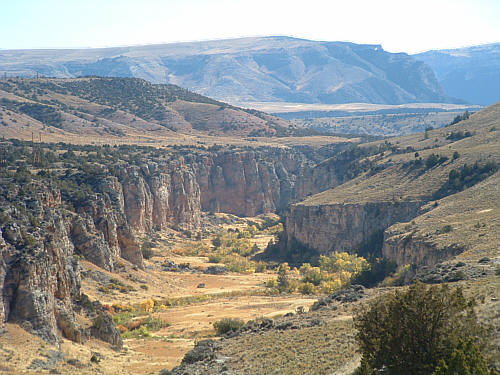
(396, 182)
(314, 350)
(474, 218)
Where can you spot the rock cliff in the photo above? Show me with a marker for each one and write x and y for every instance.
(97, 210)
(405, 248)
(158, 195)
(249, 182)
(343, 227)
(39, 276)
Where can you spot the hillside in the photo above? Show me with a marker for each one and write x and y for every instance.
(417, 200)
(277, 69)
(120, 108)
(470, 73)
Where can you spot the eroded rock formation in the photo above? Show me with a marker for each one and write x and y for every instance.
(42, 229)
(248, 183)
(343, 227)
(39, 276)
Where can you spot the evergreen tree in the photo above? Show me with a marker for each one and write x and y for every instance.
(411, 332)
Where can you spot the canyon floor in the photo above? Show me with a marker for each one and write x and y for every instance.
(232, 295)
(202, 300)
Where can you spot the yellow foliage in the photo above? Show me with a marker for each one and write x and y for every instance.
(272, 283)
(331, 286)
(119, 307)
(147, 305)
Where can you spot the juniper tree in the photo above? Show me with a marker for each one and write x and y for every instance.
(410, 332)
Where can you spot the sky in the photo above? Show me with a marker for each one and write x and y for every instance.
(398, 25)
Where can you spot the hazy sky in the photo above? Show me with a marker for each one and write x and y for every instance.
(399, 25)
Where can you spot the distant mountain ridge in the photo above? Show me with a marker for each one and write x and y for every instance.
(279, 69)
(470, 73)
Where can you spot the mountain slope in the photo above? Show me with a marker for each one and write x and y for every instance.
(278, 69)
(472, 73)
(120, 107)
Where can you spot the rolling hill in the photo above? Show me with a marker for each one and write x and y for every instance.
(120, 108)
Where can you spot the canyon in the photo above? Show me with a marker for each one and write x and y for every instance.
(77, 216)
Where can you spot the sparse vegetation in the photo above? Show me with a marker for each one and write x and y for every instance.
(462, 117)
(465, 177)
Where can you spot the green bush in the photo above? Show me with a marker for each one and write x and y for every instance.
(226, 325)
(214, 258)
(465, 177)
(141, 332)
(466, 359)
(306, 288)
(445, 229)
(155, 324)
(411, 332)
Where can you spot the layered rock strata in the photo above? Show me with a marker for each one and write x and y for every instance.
(343, 227)
(248, 183)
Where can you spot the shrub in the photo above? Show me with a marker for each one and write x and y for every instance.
(466, 177)
(155, 324)
(410, 332)
(306, 288)
(273, 283)
(214, 258)
(283, 279)
(445, 229)
(431, 161)
(141, 332)
(28, 239)
(459, 118)
(466, 359)
(311, 275)
(260, 267)
(147, 250)
(226, 325)
(217, 241)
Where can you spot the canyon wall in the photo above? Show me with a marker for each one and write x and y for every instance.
(405, 248)
(39, 276)
(343, 227)
(248, 182)
(97, 213)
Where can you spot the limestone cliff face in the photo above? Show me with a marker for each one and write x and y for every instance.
(100, 230)
(322, 177)
(405, 248)
(248, 183)
(343, 227)
(39, 280)
(160, 195)
(39, 237)
(42, 228)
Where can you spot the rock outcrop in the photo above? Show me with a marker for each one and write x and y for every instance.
(405, 248)
(40, 279)
(343, 227)
(39, 273)
(159, 195)
(104, 329)
(248, 182)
